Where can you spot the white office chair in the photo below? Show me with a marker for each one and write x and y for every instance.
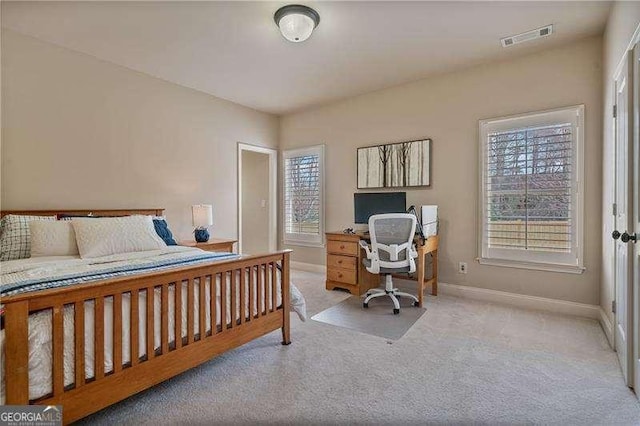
(392, 251)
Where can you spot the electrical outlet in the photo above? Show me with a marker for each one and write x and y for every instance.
(462, 267)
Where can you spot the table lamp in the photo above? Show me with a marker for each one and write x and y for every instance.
(202, 215)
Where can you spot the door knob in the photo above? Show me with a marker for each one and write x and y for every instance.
(629, 237)
(615, 234)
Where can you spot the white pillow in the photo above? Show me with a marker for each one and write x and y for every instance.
(52, 238)
(105, 236)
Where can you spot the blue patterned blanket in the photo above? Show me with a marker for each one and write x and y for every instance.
(18, 278)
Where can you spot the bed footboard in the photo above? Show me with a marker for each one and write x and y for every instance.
(249, 284)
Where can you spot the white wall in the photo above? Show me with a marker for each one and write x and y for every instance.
(623, 21)
(255, 191)
(78, 132)
(447, 108)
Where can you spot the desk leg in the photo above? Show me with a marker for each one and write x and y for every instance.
(421, 268)
(434, 267)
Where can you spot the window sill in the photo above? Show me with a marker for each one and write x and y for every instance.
(549, 267)
(303, 244)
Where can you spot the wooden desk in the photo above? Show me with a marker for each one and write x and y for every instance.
(345, 269)
(429, 246)
(214, 244)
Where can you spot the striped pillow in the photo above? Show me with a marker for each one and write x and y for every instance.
(15, 238)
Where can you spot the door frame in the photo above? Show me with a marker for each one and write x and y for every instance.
(625, 73)
(635, 251)
(635, 219)
(273, 192)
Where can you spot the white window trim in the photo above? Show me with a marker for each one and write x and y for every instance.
(544, 261)
(294, 239)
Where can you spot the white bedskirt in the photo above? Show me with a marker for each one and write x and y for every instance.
(40, 329)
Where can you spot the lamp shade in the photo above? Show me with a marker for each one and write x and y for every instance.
(202, 215)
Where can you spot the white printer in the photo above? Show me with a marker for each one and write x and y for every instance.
(429, 220)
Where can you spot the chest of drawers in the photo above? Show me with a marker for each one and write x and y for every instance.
(344, 264)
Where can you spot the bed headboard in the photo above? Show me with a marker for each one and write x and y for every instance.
(95, 212)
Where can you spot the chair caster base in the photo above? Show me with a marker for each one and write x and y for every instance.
(396, 311)
(365, 305)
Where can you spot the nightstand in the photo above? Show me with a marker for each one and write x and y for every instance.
(214, 244)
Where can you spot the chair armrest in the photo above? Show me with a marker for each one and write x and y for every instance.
(412, 265)
(365, 246)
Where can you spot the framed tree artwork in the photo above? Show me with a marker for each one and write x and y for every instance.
(395, 165)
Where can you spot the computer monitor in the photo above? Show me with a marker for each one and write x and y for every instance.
(368, 204)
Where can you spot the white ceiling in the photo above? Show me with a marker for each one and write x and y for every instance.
(234, 50)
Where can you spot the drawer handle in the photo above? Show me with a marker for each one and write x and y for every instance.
(339, 262)
(339, 275)
(342, 247)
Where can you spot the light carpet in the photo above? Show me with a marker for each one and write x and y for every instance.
(463, 362)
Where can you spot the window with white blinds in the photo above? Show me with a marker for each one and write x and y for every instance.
(303, 196)
(531, 190)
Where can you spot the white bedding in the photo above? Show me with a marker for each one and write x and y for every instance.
(40, 344)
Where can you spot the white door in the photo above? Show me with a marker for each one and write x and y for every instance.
(254, 197)
(635, 221)
(624, 295)
(257, 199)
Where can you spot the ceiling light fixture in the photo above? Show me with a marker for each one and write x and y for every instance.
(296, 22)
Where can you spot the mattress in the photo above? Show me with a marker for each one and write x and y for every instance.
(40, 324)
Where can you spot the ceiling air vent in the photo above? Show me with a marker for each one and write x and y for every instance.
(528, 36)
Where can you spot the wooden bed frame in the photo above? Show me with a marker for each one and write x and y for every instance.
(87, 396)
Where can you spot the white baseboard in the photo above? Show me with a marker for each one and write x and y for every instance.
(308, 267)
(605, 322)
(522, 300)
